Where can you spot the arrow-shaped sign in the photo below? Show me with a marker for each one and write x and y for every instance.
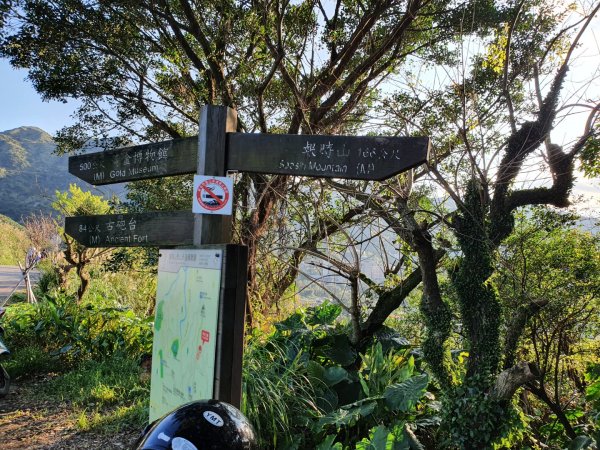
(160, 159)
(351, 157)
(155, 229)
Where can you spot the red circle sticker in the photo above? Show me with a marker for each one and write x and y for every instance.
(212, 194)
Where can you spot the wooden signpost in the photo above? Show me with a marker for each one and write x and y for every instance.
(217, 150)
(155, 229)
(161, 159)
(349, 157)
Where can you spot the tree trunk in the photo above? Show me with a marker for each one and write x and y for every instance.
(270, 192)
(62, 271)
(437, 314)
(479, 305)
(84, 278)
(508, 381)
(30, 295)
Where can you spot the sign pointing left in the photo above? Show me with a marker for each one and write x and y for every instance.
(160, 159)
(155, 229)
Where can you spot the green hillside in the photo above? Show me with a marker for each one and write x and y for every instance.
(14, 242)
(29, 172)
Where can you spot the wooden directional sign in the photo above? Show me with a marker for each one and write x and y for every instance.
(156, 229)
(175, 157)
(353, 157)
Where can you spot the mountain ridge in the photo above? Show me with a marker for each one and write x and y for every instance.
(30, 172)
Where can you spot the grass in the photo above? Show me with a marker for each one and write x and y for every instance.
(135, 415)
(105, 396)
(278, 395)
(14, 242)
(101, 383)
(30, 360)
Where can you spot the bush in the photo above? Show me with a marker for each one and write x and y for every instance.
(30, 360)
(60, 327)
(304, 388)
(95, 348)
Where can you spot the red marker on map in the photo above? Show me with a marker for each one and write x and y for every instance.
(205, 337)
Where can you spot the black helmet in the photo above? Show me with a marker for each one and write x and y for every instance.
(200, 425)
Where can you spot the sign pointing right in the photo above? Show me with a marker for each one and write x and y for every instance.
(353, 157)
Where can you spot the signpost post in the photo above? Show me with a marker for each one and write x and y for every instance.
(217, 150)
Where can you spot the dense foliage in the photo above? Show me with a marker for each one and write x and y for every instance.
(321, 392)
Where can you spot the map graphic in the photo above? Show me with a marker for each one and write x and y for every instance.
(185, 328)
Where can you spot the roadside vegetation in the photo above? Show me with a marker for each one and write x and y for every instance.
(14, 242)
(305, 385)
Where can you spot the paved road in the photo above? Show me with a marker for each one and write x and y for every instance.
(10, 276)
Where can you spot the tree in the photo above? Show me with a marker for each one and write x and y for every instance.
(142, 69)
(550, 276)
(79, 203)
(43, 235)
(490, 127)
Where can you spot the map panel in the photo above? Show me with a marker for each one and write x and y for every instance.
(185, 328)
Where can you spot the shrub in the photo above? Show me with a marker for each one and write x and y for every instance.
(60, 327)
(303, 387)
(14, 242)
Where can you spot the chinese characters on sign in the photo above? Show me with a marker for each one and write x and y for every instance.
(114, 230)
(136, 163)
(326, 158)
(351, 157)
(131, 230)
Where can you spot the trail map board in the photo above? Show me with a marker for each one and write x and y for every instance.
(185, 328)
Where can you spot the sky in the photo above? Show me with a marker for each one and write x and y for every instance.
(22, 105)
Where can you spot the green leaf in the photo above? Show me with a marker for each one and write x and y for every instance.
(404, 396)
(364, 384)
(292, 323)
(580, 442)
(328, 401)
(327, 444)
(347, 416)
(407, 370)
(325, 314)
(316, 370)
(337, 348)
(335, 375)
(380, 438)
(592, 393)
